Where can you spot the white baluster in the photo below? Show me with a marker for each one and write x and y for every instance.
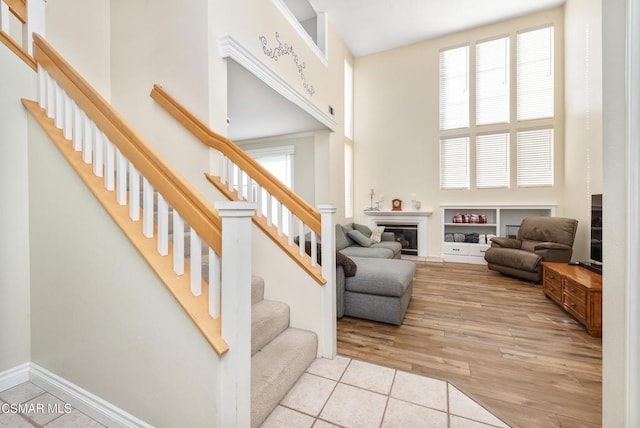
(42, 86)
(230, 174)
(178, 243)
(147, 208)
(98, 157)
(87, 139)
(36, 23)
(259, 200)
(290, 226)
(59, 113)
(269, 210)
(214, 284)
(134, 193)
(68, 117)
(314, 249)
(301, 237)
(77, 127)
(121, 168)
(109, 165)
(223, 169)
(196, 263)
(280, 218)
(240, 184)
(163, 226)
(51, 96)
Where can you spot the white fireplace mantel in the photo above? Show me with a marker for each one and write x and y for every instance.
(418, 218)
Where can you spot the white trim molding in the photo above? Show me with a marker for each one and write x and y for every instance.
(81, 399)
(633, 205)
(231, 48)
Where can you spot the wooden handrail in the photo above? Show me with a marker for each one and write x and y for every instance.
(22, 54)
(296, 205)
(196, 211)
(18, 8)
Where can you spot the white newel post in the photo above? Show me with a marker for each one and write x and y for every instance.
(235, 393)
(328, 340)
(36, 23)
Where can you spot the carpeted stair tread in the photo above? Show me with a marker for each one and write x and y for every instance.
(269, 318)
(276, 368)
(257, 289)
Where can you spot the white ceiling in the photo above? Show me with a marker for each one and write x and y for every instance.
(370, 26)
(366, 27)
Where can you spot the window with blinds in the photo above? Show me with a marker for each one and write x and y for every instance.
(535, 158)
(492, 81)
(454, 163)
(454, 88)
(492, 160)
(496, 121)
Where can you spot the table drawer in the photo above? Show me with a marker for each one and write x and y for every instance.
(553, 290)
(577, 307)
(456, 248)
(575, 290)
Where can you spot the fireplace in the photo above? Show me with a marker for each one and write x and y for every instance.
(409, 227)
(405, 234)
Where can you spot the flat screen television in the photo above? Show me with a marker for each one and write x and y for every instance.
(596, 233)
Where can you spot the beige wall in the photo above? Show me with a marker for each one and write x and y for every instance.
(80, 31)
(17, 81)
(100, 317)
(396, 141)
(583, 115)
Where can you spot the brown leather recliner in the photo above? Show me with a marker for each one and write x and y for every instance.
(540, 239)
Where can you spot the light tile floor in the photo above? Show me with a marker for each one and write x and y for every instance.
(331, 393)
(27, 405)
(351, 393)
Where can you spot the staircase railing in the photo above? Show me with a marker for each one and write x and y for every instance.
(30, 16)
(242, 178)
(115, 161)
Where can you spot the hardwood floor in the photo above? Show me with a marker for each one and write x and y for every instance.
(500, 340)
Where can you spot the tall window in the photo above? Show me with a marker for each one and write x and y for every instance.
(495, 121)
(348, 100)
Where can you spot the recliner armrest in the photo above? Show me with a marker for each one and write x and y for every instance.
(551, 246)
(506, 242)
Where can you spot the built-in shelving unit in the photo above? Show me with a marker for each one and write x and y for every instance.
(501, 220)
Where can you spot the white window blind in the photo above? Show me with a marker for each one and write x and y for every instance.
(492, 160)
(348, 100)
(535, 158)
(492, 81)
(454, 88)
(454, 163)
(535, 74)
(348, 180)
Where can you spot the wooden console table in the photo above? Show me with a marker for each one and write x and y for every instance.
(578, 291)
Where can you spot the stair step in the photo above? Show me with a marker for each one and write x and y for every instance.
(268, 319)
(257, 289)
(277, 367)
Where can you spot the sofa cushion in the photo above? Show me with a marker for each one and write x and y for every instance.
(362, 229)
(359, 238)
(381, 277)
(369, 252)
(394, 246)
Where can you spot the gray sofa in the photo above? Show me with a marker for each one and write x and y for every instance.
(382, 286)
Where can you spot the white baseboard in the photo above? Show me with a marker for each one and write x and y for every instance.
(88, 403)
(14, 376)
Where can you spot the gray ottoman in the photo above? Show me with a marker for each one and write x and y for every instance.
(380, 291)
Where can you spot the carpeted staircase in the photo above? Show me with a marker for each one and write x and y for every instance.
(280, 354)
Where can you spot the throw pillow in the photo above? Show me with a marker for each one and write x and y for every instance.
(376, 235)
(359, 238)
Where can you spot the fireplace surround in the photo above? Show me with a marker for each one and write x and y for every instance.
(396, 220)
